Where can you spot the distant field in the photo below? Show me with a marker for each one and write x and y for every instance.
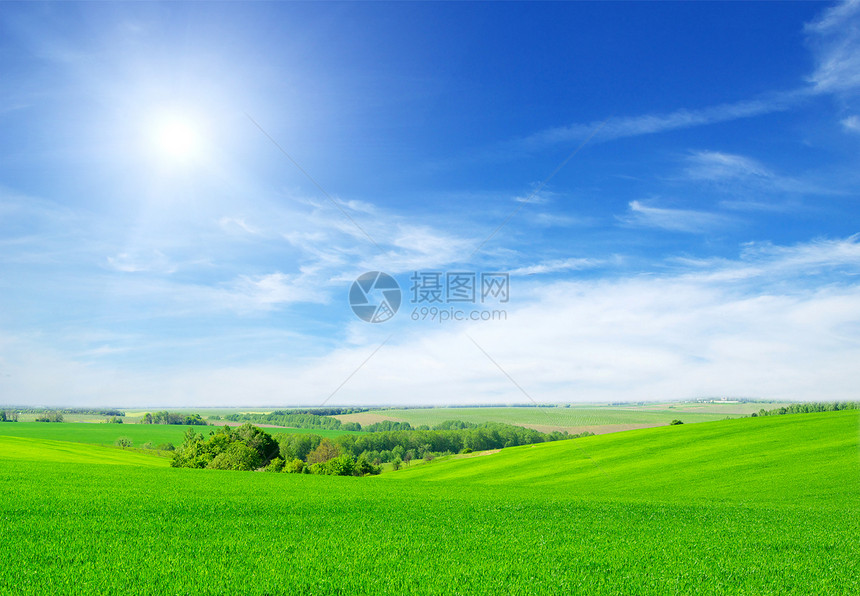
(106, 434)
(753, 506)
(573, 419)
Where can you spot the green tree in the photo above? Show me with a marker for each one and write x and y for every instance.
(325, 451)
(238, 456)
(342, 465)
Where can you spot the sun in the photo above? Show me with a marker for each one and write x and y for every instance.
(176, 139)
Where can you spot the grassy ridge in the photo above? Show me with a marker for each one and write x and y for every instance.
(89, 529)
(803, 457)
(106, 434)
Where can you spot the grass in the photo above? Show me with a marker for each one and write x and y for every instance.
(106, 434)
(677, 510)
(551, 417)
(805, 458)
(36, 450)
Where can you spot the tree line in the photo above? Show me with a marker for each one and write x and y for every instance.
(248, 447)
(8, 416)
(808, 407)
(166, 417)
(295, 420)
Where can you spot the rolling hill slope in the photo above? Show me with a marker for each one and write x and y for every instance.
(794, 458)
(752, 506)
(64, 452)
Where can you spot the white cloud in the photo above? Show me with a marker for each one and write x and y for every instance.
(234, 224)
(852, 123)
(714, 165)
(153, 261)
(835, 39)
(557, 266)
(745, 177)
(631, 126)
(779, 322)
(267, 291)
(674, 220)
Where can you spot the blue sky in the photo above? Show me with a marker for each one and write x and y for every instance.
(159, 248)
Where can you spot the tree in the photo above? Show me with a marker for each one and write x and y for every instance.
(258, 440)
(363, 466)
(342, 465)
(325, 451)
(238, 456)
(675, 422)
(123, 442)
(50, 417)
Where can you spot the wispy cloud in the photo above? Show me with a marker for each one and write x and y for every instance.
(270, 290)
(152, 261)
(557, 266)
(852, 124)
(714, 165)
(835, 40)
(237, 224)
(674, 220)
(631, 126)
(745, 177)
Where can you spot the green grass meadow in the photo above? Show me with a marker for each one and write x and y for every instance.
(750, 506)
(554, 417)
(107, 434)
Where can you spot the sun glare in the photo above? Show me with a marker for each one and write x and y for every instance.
(176, 139)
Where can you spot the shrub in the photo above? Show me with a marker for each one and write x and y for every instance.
(276, 465)
(674, 422)
(123, 442)
(296, 466)
(166, 447)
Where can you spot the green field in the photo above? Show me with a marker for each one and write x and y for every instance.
(27, 450)
(557, 418)
(800, 459)
(106, 434)
(751, 506)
